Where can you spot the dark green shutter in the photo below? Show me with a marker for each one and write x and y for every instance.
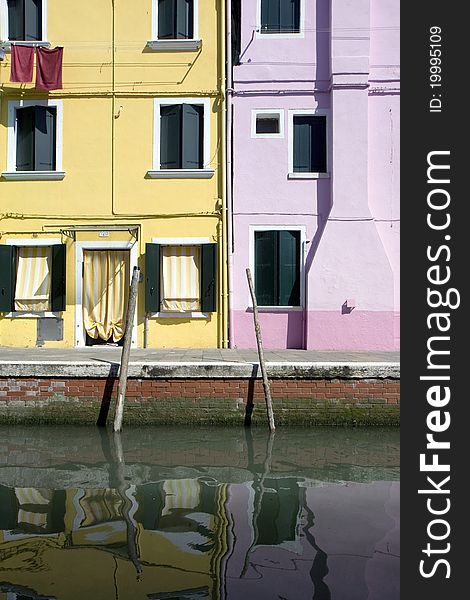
(192, 139)
(184, 19)
(270, 10)
(318, 144)
(33, 20)
(58, 277)
(15, 20)
(302, 144)
(266, 268)
(289, 16)
(152, 278)
(166, 19)
(289, 268)
(7, 277)
(44, 138)
(170, 137)
(25, 139)
(208, 277)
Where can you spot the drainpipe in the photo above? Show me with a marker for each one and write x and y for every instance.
(228, 170)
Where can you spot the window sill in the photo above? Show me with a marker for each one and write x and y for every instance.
(33, 315)
(181, 174)
(179, 315)
(173, 45)
(33, 175)
(6, 45)
(276, 308)
(308, 176)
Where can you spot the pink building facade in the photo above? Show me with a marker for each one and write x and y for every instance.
(329, 70)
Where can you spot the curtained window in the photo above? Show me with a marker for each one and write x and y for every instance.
(180, 282)
(33, 279)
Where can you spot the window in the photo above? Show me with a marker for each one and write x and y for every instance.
(32, 278)
(267, 123)
(277, 267)
(36, 138)
(25, 20)
(175, 19)
(180, 278)
(181, 139)
(280, 16)
(309, 144)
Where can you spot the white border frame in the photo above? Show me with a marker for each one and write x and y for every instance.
(322, 112)
(79, 330)
(189, 241)
(283, 36)
(32, 242)
(157, 171)
(4, 22)
(274, 112)
(13, 106)
(195, 23)
(303, 239)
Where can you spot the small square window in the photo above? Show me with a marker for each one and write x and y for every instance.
(267, 124)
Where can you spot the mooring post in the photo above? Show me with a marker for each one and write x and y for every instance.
(126, 350)
(259, 342)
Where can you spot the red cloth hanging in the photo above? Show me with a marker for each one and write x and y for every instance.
(22, 59)
(49, 68)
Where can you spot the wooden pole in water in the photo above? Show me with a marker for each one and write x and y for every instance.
(259, 342)
(126, 350)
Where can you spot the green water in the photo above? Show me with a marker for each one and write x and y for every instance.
(181, 513)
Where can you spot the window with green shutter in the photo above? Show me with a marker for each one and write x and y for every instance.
(175, 19)
(280, 16)
(36, 138)
(24, 20)
(309, 144)
(277, 268)
(181, 136)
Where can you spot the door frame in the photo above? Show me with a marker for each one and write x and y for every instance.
(79, 330)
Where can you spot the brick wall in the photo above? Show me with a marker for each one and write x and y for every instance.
(179, 400)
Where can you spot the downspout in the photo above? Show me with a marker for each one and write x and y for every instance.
(228, 170)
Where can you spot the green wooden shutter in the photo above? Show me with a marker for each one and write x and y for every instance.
(15, 20)
(170, 137)
(152, 278)
(45, 138)
(33, 20)
(25, 139)
(289, 268)
(302, 145)
(166, 19)
(270, 11)
(192, 139)
(7, 277)
(318, 144)
(58, 277)
(208, 277)
(266, 268)
(289, 16)
(184, 19)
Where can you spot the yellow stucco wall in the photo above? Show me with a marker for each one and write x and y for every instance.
(108, 128)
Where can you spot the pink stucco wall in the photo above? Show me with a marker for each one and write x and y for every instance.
(346, 61)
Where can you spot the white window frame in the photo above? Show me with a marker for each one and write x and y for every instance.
(79, 329)
(22, 242)
(11, 174)
(322, 112)
(4, 26)
(164, 44)
(303, 242)
(261, 35)
(157, 172)
(271, 112)
(189, 241)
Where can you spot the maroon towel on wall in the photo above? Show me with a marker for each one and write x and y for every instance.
(49, 68)
(22, 58)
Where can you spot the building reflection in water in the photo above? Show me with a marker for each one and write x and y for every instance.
(223, 534)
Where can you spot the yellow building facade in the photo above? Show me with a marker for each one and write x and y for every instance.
(133, 175)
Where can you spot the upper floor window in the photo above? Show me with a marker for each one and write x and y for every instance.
(280, 16)
(25, 20)
(308, 145)
(36, 138)
(175, 19)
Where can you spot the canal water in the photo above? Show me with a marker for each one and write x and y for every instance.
(185, 514)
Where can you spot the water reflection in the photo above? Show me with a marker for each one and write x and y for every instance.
(205, 513)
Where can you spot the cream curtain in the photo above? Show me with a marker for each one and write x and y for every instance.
(106, 286)
(180, 278)
(33, 279)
